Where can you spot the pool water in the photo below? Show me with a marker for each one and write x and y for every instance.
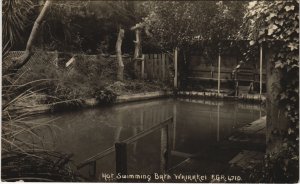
(197, 126)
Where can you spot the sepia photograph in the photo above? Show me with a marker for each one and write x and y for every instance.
(126, 91)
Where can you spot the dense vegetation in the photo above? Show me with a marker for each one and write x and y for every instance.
(276, 25)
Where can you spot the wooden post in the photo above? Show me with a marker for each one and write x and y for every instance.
(121, 158)
(137, 43)
(135, 131)
(137, 49)
(218, 122)
(143, 67)
(260, 70)
(175, 67)
(219, 73)
(164, 149)
(118, 132)
(142, 120)
(120, 74)
(174, 125)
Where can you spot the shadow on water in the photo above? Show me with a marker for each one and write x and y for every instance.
(198, 127)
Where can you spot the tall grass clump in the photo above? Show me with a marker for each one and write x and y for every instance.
(26, 155)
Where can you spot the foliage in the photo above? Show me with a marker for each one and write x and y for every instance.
(15, 18)
(277, 23)
(277, 167)
(44, 166)
(90, 26)
(105, 96)
(180, 24)
(67, 87)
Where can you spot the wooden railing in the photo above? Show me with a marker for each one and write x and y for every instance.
(121, 149)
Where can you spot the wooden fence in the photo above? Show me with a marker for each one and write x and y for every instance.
(155, 67)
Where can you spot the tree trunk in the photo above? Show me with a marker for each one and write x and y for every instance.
(277, 123)
(120, 75)
(137, 43)
(137, 50)
(22, 60)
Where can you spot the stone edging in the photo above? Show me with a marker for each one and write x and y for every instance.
(246, 97)
(91, 102)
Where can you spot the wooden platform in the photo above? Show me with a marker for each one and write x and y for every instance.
(246, 158)
(229, 157)
(253, 132)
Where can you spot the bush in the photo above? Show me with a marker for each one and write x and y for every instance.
(65, 87)
(279, 167)
(105, 96)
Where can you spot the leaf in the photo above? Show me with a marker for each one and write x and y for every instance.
(293, 46)
(290, 131)
(252, 42)
(271, 29)
(270, 17)
(279, 22)
(278, 64)
(289, 8)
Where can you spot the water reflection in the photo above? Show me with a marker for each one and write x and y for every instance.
(197, 125)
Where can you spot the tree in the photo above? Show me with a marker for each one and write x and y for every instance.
(16, 16)
(181, 24)
(19, 62)
(185, 24)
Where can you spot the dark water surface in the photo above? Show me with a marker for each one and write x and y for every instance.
(198, 124)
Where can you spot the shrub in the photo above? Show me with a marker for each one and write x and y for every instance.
(105, 96)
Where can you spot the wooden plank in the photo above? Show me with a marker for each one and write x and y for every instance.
(155, 66)
(181, 154)
(163, 66)
(160, 67)
(146, 71)
(167, 67)
(151, 66)
(245, 157)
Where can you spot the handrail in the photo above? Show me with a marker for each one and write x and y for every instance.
(128, 141)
